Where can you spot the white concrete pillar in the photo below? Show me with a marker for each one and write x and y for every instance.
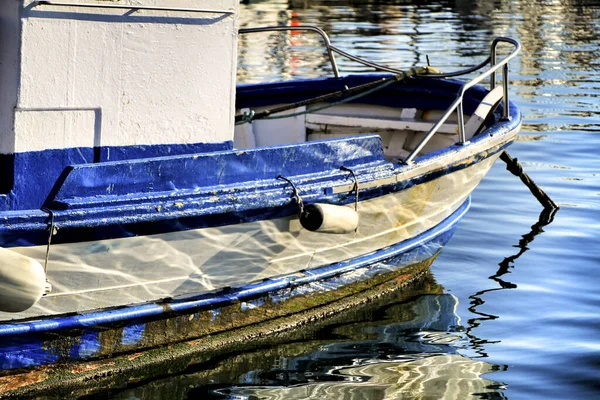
(93, 77)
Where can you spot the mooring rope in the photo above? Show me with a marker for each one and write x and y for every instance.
(515, 168)
(354, 93)
(329, 105)
(295, 194)
(52, 230)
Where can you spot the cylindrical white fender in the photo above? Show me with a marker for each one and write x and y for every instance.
(329, 218)
(22, 281)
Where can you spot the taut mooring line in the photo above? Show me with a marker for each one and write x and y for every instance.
(513, 166)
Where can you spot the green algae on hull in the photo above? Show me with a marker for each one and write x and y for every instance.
(230, 331)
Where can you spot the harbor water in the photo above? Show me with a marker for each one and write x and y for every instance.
(512, 306)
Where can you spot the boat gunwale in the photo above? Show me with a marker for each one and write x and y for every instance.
(76, 223)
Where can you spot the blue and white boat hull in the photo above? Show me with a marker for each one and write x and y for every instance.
(136, 269)
(151, 251)
(147, 200)
(97, 334)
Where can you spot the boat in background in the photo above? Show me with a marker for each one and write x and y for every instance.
(146, 200)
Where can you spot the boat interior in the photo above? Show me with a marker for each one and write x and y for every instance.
(411, 119)
(402, 130)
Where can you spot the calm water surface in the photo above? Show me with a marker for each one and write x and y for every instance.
(513, 307)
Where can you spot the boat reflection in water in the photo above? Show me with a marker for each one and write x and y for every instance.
(404, 346)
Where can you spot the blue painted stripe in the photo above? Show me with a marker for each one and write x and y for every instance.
(222, 298)
(28, 177)
(268, 201)
(194, 171)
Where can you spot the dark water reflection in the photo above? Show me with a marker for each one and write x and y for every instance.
(404, 346)
(478, 345)
(518, 317)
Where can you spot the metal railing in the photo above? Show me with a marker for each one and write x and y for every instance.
(456, 105)
(328, 45)
(132, 7)
(331, 49)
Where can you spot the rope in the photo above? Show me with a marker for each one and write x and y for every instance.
(355, 188)
(329, 105)
(53, 229)
(360, 90)
(515, 168)
(295, 194)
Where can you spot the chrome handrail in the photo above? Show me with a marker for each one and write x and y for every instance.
(333, 49)
(127, 7)
(320, 31)
(458, 103)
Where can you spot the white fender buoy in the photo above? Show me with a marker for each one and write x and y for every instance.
(329, 218)
(22, 281)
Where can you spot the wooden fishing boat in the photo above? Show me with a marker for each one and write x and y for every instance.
(146, 200)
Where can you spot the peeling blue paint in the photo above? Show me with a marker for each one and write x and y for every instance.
(25, 352)
(252, 304)
(133, 334)
(215, 313)
(88, 346)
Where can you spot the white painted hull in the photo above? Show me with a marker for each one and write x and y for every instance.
(107, 273)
